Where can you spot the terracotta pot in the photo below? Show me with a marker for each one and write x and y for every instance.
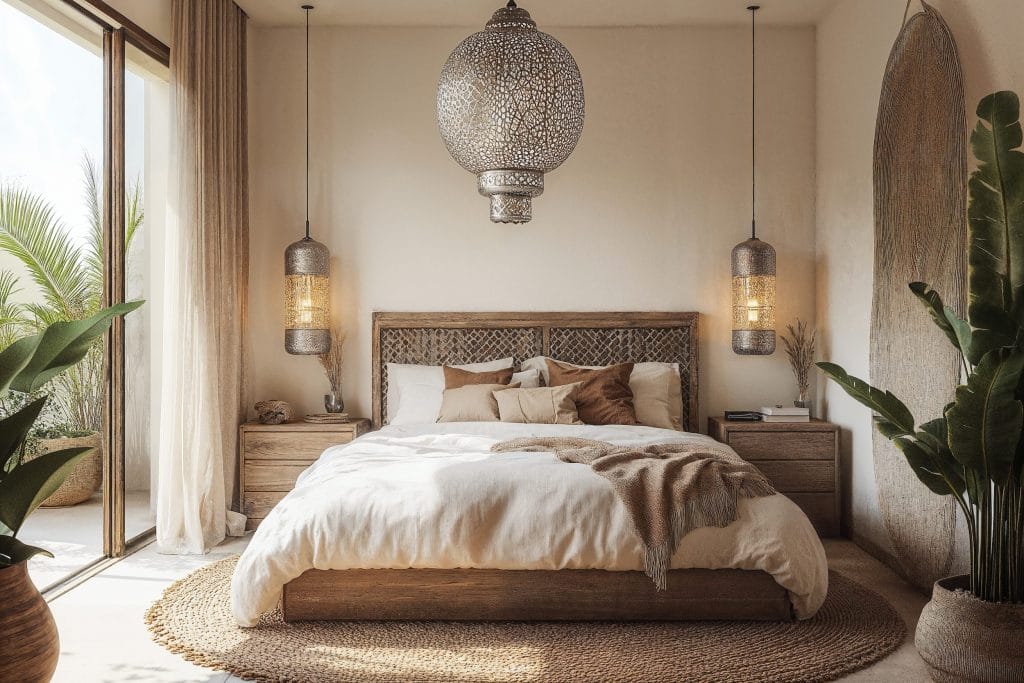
(963, 638)
(29, 645)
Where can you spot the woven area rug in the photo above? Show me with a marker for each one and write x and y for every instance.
(855, 628)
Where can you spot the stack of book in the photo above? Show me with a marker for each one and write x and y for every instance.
(780, 414)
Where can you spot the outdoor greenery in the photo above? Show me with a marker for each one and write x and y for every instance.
(975, 451)
(26, 366)
(69, 279)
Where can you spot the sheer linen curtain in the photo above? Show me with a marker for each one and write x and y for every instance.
(207, 266)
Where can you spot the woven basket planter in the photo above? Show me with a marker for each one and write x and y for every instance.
(963, 638)
(87, 476)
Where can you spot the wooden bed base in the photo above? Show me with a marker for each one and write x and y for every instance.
(564, 595)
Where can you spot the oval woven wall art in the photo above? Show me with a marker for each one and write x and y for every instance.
(855, 628)
(920, 187)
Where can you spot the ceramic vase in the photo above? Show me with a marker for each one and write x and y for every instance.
(29, 644)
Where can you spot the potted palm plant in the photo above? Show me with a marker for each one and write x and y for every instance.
(973, 629)
(69, 279)
(29, 644)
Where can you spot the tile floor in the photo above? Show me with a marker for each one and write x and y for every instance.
(104, 640)
(75, 534)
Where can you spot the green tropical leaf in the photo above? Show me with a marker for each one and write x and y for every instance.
(984, 341)
(13, 551)
(985, 420)
(956, 330)
(935, 436)
(30, 232)
(134, 216)
(890, 409)
(13, 431)
(15, 358)
(986, 315)
(996, 212)
(32, 482)
(922, 462)
(13, 316)
(64, 344)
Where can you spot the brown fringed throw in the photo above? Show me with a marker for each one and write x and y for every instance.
(669, 489)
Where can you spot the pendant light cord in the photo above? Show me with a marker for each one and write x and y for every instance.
(753, 122)
(306, 9)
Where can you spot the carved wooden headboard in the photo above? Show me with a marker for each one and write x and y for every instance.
(581, 338)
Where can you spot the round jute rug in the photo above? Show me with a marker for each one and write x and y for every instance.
(856, 627)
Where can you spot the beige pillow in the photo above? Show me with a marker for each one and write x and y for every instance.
(544, 405)
(472, 403)
(657, 396)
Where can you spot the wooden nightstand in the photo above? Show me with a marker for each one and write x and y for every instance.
(801, 459)
(273, 457)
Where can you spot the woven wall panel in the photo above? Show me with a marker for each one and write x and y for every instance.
(920, 180)
(604, 346)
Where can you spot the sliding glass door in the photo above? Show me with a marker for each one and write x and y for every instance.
(83, 159)
(146, 165)
(51, 258)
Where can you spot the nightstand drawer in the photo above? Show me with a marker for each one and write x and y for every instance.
(258, 504)
(821, 509)
(752, 445)
(808, 476)
(273, 475)
(290, 445)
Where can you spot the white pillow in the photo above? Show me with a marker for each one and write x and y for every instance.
(528, 379)
(657, 394)
(423, 385)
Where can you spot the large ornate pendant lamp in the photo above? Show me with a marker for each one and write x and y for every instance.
(307, 267)
(510, 109)
(753, 261)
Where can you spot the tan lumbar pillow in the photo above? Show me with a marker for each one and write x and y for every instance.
(543, 405)
(472, 403)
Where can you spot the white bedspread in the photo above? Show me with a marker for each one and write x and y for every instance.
(420, 496)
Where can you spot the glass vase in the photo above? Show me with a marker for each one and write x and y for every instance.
(333, 402)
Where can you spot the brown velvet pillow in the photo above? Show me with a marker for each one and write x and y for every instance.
(604, 396)
(455, 378)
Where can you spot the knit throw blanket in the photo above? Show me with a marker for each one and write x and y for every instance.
(669, 489)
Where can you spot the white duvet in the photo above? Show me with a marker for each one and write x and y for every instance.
(421, 496)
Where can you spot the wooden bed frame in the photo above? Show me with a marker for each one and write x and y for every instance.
(564, 595)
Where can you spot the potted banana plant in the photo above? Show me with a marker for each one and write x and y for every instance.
(29, 644)
(973, 628)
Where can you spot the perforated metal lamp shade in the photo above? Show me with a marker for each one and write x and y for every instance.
(307, 268)
(307, 271)
(753, 298)
(753, 261)
(510, 108)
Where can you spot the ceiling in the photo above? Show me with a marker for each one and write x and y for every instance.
(473, 13)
